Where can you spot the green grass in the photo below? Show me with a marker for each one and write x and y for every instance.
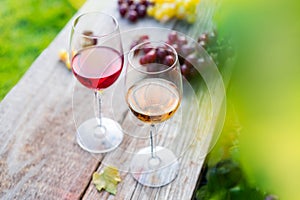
(27, 27)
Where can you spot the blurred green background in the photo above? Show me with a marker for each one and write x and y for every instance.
(265, 90)
(27, 27)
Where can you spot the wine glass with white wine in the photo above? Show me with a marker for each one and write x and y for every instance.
(153, 85)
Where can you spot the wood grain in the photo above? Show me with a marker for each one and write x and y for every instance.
(39, 156)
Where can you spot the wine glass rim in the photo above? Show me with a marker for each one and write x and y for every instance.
(131, 52)
(95, 36)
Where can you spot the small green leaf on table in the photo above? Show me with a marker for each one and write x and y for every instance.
(107, 180)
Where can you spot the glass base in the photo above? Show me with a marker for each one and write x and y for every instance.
(94, 139)
(154, 172)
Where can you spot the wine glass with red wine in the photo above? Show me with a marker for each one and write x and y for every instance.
(153, 85)
(97, 61)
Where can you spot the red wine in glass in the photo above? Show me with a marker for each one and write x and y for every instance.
(97, 64)
(97, 67)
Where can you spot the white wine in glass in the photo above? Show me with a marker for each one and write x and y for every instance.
(153, 93)
(153, 100)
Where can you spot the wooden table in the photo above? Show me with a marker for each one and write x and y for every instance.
(39, 156)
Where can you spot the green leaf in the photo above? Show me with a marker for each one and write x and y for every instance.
(225, 175)
(203, 193)
(108, 180)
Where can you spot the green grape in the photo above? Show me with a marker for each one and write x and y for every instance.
(180, 9)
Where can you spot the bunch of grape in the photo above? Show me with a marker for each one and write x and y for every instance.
(219, 50)
(150, 54)
(180, 9)
(132, 10)
(157, 55)
(187, 55)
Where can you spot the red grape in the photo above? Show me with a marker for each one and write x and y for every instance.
(149, 3)
(146, 49)
(186, 50)
(132, 15)
(172, 37)
(185, 70)
(169, 60)
(161, 53)
(175, 46)
(130, 2)
(123, 9)
(141, 10)
(133, 7)
(143, 60)
(151, 56)
(144, 37)
(144, 2)
(203, 37)
(182, 40)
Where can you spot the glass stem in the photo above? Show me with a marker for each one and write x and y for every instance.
(152, 140)
(98, 108)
